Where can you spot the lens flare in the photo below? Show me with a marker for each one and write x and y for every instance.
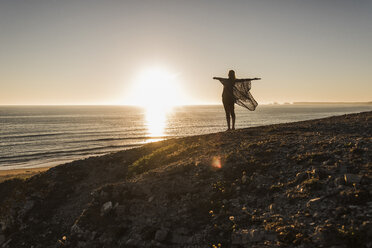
(216, 162)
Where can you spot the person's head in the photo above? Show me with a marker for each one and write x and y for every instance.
(232, 74)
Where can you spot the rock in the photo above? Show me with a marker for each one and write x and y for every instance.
(93, 235)
(272, 208)
(182, 231)
(151, 198)
(26, 207)
(339, 211)
(2, 239)
(5, 244)
(120, 210)
(246, 236)
(342, 168)
(236, 238)
(131, 242)
(301, 176)
(81, 244)
(161, 234)
(352, 178)
(326, 236)
(339, 181)
(179, 239)
(256, 235)
(106, 208)
(75, 229)
(319, 173)
(271, 236)
(313, 202)
(366, 227)
(244, 179)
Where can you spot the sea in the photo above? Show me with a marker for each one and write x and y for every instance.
(41, 136)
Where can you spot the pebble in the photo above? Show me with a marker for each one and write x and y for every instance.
(106, 208)
(2, 239)
(161, 235)
(244, 179)
(352, 178)
(313, 202)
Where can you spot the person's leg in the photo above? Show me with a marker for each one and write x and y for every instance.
(227, 112)
(233, 117)
(228, 120)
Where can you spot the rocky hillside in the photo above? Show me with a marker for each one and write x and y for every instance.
(304, 184)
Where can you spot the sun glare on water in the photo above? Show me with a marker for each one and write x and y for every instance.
(157, 90)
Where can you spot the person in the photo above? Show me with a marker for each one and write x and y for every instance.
(229, 98)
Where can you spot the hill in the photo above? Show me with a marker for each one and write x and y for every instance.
(303, 184)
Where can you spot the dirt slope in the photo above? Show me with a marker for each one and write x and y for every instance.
(304, 184)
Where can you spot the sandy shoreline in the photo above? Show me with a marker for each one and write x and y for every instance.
(20, 173)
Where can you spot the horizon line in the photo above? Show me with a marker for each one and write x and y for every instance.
(197, 104)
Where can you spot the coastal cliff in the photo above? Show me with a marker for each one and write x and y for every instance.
(302, 184)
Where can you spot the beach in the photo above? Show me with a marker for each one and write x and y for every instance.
(20, 173)
(299, 184)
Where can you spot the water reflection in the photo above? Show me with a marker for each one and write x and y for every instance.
(156, 121)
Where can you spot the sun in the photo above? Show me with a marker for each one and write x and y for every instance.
(156, 87)
(157, 91)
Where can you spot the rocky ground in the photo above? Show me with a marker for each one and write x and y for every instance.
(304, 184)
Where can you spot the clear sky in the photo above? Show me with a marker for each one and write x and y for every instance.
(92, 52)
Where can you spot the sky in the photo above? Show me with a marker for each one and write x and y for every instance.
(95, 52)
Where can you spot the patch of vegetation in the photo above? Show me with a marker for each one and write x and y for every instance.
(163, 155)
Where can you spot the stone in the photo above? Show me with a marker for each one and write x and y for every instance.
(26, 207)
(244, 179)
(151, 198)
(179, 239)
(246, 236)
(301, 176)
(93, 235)
(236, 239)
(131, 242)
(352, 178)
(339, 211)
(319, 173)
(75, 229)
(5, 244)
(339, 181)
(342, 168)
(256, 235)
(106, 208)
(120, 210)
(313, 202)
(161, 234)
(271, 236)
(272, 208)
(326, 236)
(2, 226)
(81, 244)
(2, 239)
(366, 227)
(182, 231)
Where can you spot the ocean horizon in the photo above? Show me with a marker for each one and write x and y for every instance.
(42, 136)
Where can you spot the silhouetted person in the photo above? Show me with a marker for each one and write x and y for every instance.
(229, 95)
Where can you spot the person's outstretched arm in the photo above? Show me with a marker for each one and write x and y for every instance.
(247, 79)
(222, 80)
